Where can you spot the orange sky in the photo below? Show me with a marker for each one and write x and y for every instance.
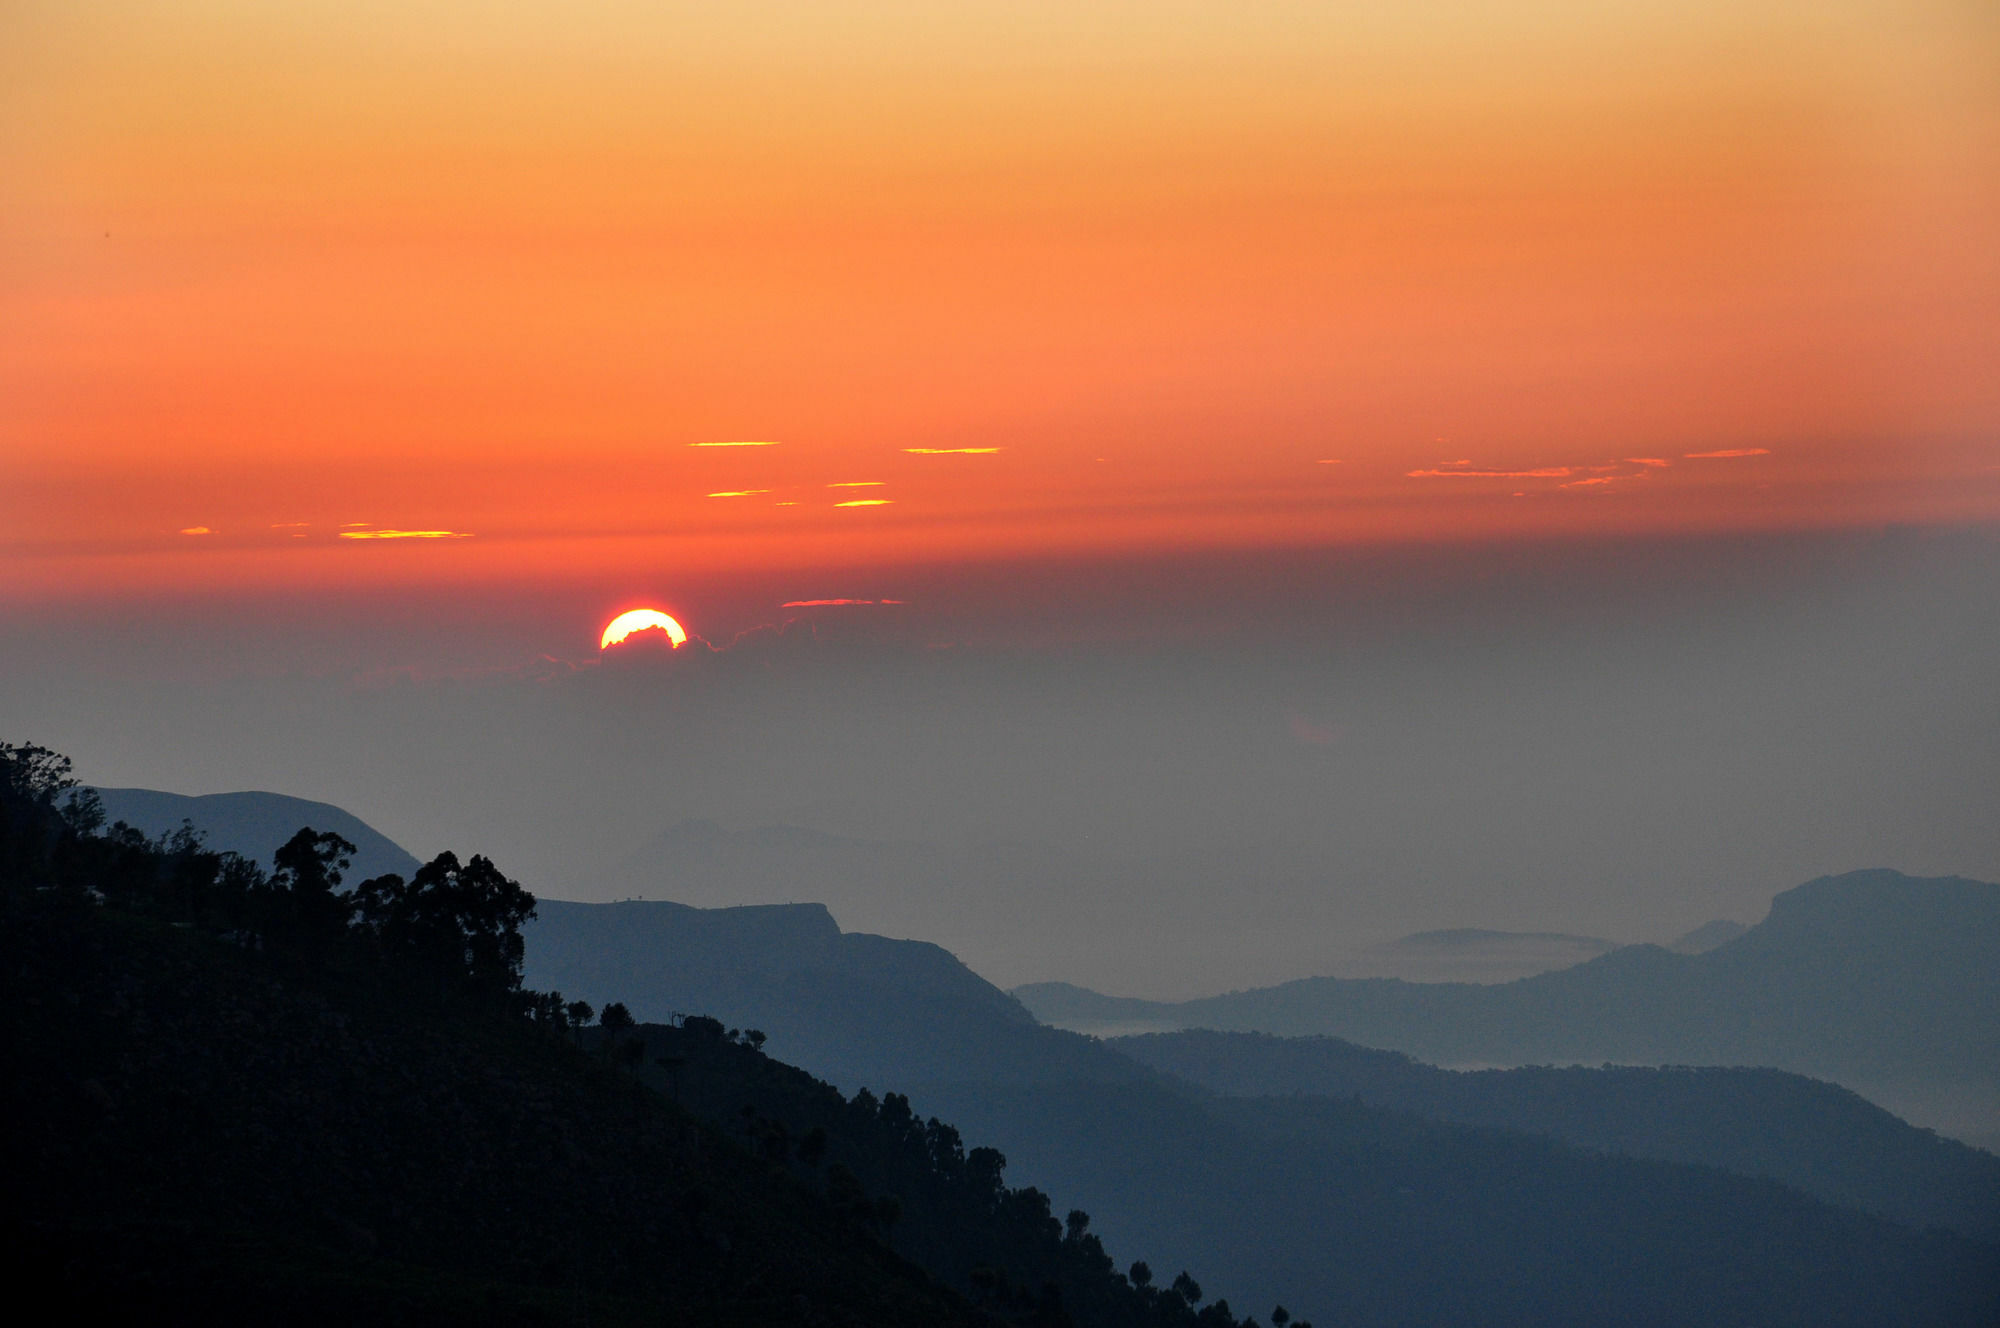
(284, 272)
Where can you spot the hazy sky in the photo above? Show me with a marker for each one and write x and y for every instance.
(1161, 777)
(1345, 469)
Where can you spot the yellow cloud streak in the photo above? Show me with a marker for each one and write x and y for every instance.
(1543, 473)
(404, 534)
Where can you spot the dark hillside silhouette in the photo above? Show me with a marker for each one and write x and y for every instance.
(936, 1198)
(251, 1077)
(245, 1096)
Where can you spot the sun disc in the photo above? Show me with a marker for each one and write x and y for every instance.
(641, 620)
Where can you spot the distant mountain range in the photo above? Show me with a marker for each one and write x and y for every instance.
(1429, 1207)
(1472, 954)
(1707, 936)
(256, 824)
(1386, 1212)
(1871, 979)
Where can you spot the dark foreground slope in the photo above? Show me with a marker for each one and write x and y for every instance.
(1813, 1136)
(1868, 978)
(202, 1129)
(942, 1205)
(245, 1096)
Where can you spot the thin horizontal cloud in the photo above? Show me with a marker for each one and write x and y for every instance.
(1595, 480)
(405, 534)
(739, 443)
(197, 530)
(833, 603)
(857, 484)
(1648, 461)
(1728, 452)
(1329, 461)
(952, 451)
(737, 493)
(866, 502)
(1542, 473)
(288, 525)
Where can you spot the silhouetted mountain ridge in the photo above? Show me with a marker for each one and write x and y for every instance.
(853, 1008)
(1707, 936)
(240, 1095)
(255, 824)
(1814, 1136)
(1866, 978)
(1316, 1211)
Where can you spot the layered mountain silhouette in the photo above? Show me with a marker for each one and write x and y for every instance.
(998, 901)
(1358, 1205)
(1815, 1136)
(1602, 1204)
(230, 1102)
(856, 1009)
(1473, 954)
(1706, 937)
(1374, 1216)
(255, 824)
(1868, 978)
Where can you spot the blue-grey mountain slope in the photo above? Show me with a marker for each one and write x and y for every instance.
(855, 1009)
(256, 824)
(1707, 936)
(1814, 1136)
(1379, 1214)
(1867, 978)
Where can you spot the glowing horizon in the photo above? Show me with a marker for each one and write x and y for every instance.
(1079, 277)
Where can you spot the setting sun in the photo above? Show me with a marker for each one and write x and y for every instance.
(641, 620)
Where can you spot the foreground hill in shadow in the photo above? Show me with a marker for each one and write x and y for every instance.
(247, 1096)
(1871, 978)
(200, 1133)
(1813, 1136)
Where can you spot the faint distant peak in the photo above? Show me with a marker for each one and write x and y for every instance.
(254, 824)
(1468, 938)
(1706, 937)
(1878, 900)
